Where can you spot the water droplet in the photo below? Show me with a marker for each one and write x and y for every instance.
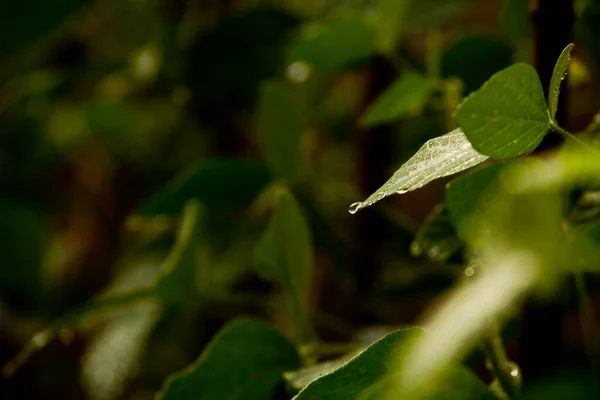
(298, 72)
(514, 369)
(469, 271)
(402, 191)
(433, 252)
(354, 207)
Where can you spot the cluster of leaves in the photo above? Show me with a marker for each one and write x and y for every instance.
(508, 216)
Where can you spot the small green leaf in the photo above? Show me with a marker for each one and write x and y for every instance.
(558, 75)
(218, 184)
(406, 96)
(360, 372)
(280, 126)
(284, 256)
(507, 116)
(439, 157)
(244, 361)
(342, 43)
(391, 23)
(177, 279)
(436, 238)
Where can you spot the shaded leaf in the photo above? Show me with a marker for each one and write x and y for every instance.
(436, 238)
(507, 116)
(280, 125)
(341, 43)
(407, 95)
(439, 157)
(219, 184)
(391, 23)
(301, 378)
(284, 256)
(359, 373)
(558, 75)
(245, 360)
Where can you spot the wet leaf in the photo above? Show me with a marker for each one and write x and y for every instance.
(558, 75)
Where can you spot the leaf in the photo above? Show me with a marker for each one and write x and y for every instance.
(436, 238)
(558, 75)
(301, 378)
(177, 279)
(244, 361)
(406, 96)
(474, 59)
(439, 157)
(360, 372)
(507, 116)
(390, 23)
(515, 23)
(218, 184)
(340, 44)
(284, 256)
(280, 125)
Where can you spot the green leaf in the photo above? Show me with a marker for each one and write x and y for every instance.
(280, 125)
(301, 378)
(177, 279)
(244, 361)
(436, 238)
(406, 96)
(558, 75)
(391, 23)
(507, 116)
(439, 157)
(474, 59)
(342, 43)
(284, 256)
(218, 184)
(360, 372)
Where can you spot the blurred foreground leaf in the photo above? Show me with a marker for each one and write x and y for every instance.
(219, 184)
(245, 360)
(407, 95)
(507, 116)
(284, 256)
(439, 157)
(281, 126)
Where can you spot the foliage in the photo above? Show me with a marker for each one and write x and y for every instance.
(175, 177)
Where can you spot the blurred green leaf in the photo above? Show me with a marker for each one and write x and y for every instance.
(558, 75)
(22, 245)
(176, 282)
(391, 23)
(562, 387)
(515, 23)
(340, 44)
(436, 238)
(284, 256)
(360, 372)
(507, 116)
(406, 96)
(245, 360)
(301, 378)
(439, 157)
(280, 124)
(474, 59)
(218, 184)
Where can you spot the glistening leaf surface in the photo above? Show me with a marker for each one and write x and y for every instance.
(507, 116)
(439, 157)
(558, 75)
(245, 361)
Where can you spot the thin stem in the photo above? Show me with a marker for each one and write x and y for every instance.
(499, 365)
(588, 320)
(567, 135)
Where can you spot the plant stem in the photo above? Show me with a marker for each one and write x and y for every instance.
(499, 365)
(567, 135)
(588, 321)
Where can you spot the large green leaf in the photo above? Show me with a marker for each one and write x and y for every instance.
(341, 43)
(245, 361)
(558, 75)
(284, 256)
(439, 157)
(280, 125)
(507, 116)
(360, 372)
(407, 95)
(436, 238)
(218, 184)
